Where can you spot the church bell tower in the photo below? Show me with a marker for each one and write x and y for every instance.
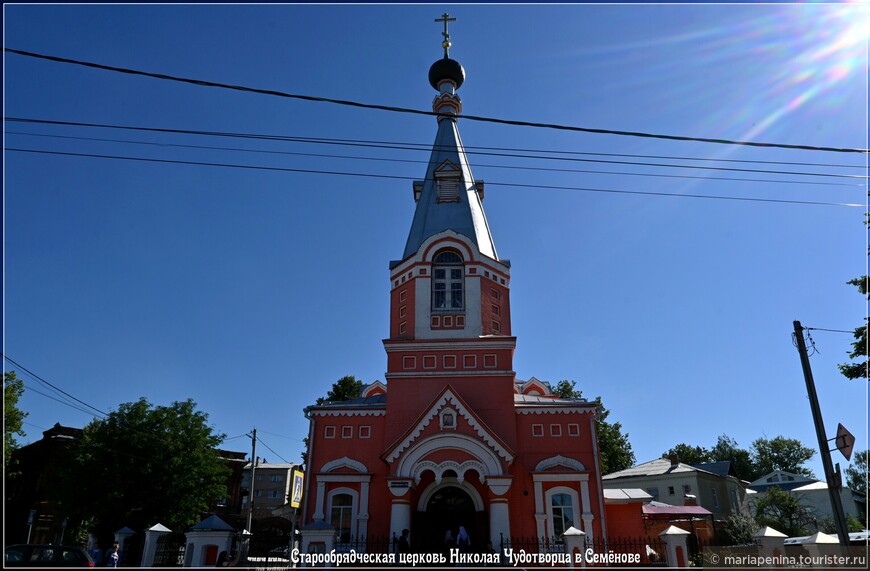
(450, 292)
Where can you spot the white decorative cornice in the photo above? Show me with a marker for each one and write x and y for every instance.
(348, 412)
(506, 342)
(457, 373)
(448, 398)
(560, 460)
(555, 410)
(345, 462)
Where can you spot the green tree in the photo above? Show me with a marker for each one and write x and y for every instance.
(828, 525)
(739, 529)
(13, 417)
(781, 453)
(782, 511)
(346, 388)
(144, 465)
(614, 449)
(689, 454)
(726, 449)
(856, 473)
(859, 346)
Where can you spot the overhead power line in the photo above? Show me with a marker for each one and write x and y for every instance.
(397, 177)
(428, 113)
(260, 440)
(480, 165)
(829, 330)
(404, 145)
(99, 413)
(53, 387)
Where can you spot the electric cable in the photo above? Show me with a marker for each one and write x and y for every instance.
(397, 177)
(260, 440)
(479, 153)
(413, 161)
(55, 388)
(410, 146)
(276, 93)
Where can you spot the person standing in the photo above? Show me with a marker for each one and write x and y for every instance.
(463, 540)
(404, 544)
(113, 559)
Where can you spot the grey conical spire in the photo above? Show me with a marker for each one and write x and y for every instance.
(461, 207)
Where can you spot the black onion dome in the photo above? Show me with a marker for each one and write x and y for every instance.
(446, 68)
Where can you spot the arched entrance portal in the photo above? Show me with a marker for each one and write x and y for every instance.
(446, 508)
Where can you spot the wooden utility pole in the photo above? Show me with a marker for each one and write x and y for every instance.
(253, 470)
(832, 478)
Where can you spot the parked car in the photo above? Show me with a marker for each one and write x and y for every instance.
(32, 555)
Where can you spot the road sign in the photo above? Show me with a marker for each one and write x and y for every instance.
(296, 492)
(845, 441)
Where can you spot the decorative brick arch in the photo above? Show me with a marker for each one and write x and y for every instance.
(488, 461)
(450, 240)
(440, 468)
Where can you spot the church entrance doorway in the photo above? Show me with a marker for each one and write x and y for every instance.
(436, 528)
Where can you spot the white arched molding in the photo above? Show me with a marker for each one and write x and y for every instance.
(554, 461)
(359, 481)
(448, 239)
(440, 468)
(489, 460)
(464, 485)
(575, 482)
(345, 462)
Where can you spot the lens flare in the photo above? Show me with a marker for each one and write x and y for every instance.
(829, 46)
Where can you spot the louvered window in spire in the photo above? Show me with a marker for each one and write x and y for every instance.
(448, 181)
(448, 189)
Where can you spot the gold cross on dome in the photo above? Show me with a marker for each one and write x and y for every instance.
(446, 43)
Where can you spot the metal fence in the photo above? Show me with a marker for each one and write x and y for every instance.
(367, 544)
(170, 550)
(131, 555)
(541, 544)
(651, 550)
(269, 551)
(644, 551)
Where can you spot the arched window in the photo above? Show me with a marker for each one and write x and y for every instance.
(340, 514)
(447, 283)
(562, 511)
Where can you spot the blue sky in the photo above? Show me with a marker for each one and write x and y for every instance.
(251, 291)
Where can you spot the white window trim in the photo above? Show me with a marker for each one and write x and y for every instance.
(441, 415)
(354, 508)
(548, 502)
(583, 512)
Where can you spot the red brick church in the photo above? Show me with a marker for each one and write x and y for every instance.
(452, 437)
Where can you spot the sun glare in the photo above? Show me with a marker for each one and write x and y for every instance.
(828, 48)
